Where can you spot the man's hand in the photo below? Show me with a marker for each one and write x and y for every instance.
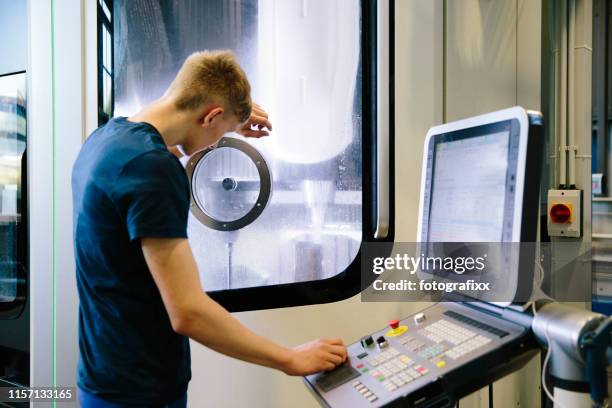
(257, 125)
(192, 313)
(316, 356)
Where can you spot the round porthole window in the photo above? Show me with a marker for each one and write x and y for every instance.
(230, 185)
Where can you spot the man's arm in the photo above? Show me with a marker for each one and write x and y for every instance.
(194, 314)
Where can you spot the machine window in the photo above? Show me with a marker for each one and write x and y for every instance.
(105, 61)
(13, 196)
(304, 62)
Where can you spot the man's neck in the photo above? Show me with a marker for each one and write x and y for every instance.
(162, 115)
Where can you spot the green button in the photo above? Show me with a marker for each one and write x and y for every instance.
(381, 378)
(365, 370)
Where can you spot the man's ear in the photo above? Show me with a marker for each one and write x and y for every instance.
(216, 112)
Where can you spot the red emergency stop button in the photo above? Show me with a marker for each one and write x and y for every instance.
(561, 213)
(394, 324)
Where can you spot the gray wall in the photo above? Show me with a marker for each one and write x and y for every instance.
(13, 36)
(492, 61)
(492, 56)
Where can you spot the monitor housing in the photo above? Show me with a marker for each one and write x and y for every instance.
(480, 189)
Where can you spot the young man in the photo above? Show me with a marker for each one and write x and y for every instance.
(139, 288)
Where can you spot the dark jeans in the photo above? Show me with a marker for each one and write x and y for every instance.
(87, 400)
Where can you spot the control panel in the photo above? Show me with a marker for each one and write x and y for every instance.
(410, 354)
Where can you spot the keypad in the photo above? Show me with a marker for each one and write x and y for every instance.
(444, 330)
(467, 347)
(475, 323)
(411, 343)
(386, 355)
(364, 391)
(404, 376)
(393, 369)
(432, 351)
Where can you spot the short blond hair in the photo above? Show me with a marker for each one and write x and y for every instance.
(212, 77)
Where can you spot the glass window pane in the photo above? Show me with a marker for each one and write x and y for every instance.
(109, 57)
(303, 62)
(12, 146)
(226, 184)
(107, 50)
(104, 45)
(107, 93)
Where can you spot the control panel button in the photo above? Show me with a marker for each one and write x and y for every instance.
(382, 342)
(367, 341)
(419, 318)
(396, 329)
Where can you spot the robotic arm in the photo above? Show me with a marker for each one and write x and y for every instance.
(578, 343)
(598, 356)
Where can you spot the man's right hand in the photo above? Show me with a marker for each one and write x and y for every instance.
(315, 356)
(257, 125)
(192, 313)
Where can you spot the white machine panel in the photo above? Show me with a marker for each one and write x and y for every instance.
(400, 361)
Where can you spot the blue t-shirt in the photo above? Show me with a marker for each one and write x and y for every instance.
(126, 185)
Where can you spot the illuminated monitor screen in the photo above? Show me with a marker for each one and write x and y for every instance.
(471, 184)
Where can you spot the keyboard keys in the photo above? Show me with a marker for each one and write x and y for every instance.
(363, 390)
(467, 347)
(475, 323)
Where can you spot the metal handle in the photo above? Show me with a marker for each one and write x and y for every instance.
(382, 119)
(22, 222)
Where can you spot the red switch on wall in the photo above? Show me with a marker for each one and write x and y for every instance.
(561, 213)
(564, 213)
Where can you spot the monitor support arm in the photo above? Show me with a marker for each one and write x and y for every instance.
(579, 341)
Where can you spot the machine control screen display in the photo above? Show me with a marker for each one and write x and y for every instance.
(469, 189)
(471, 184)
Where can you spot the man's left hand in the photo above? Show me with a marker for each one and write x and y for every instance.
(257, 125)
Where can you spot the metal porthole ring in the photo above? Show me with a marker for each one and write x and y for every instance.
(265, 189)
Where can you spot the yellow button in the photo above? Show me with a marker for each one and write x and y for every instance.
(397, 332)
(441, 363)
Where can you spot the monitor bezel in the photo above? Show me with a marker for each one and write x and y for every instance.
(517, 116)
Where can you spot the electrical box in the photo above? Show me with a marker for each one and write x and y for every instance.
(565, 213)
